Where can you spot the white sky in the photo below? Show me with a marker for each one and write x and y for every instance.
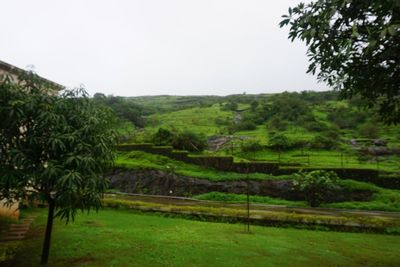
(152, 47)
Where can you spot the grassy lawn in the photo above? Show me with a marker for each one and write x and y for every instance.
(123, 238)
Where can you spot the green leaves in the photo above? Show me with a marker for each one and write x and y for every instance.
(66, 144)
(356, 46)
(316, 185)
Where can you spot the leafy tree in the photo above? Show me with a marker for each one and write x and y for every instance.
(278, 124)
(290, 107)
(53, 148)
(316, 185)
(355, 47)
(123, 107)
(323, 142)
(231, 105)
(253, 105)
(190, 141)
(162, 137)
(280, 142)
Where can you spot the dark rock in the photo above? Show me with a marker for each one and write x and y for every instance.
(155, 182)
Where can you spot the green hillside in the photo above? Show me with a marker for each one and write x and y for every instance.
(301, 130)
(319, 129)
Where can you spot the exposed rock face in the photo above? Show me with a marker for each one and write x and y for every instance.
(155, 182)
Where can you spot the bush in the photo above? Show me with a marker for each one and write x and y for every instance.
(242, 126)
(369, 131)
(323, 142)
(278, 124)
(246, 126)
(162, 137)
(220, 121)
(231, 106)
(280, 142)
(189, 141)
(315, 126)
(316, 185)
(251, 146)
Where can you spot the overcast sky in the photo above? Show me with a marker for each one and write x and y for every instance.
(152, 47)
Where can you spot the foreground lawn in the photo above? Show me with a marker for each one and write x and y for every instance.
(123, 238)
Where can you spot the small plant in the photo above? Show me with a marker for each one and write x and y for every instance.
(316, 185)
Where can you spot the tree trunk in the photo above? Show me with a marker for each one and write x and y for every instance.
(49, 226)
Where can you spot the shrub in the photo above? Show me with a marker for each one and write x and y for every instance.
(246, 126)
(190, 141)
(323, 142)
(231, 106)
(315, 126)
(316, 185)
(278, 123)
(162, 137)
(251, 146)
(220, 121)
(280, 142)
(369, 131)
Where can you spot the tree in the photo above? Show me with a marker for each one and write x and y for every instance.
(53, 148)
(162, 137)
(280, 142)
(316, 185)
(188, 140)
(355, 47)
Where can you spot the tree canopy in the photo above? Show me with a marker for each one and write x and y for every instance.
(54, 148)
(354, 46)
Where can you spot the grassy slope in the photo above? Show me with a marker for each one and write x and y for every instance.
(142, 160)
(121, 238)
(202, 120)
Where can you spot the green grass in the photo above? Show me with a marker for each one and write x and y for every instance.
(324, 159)
(240, 198)
(122, 238)
(383, 199)
(143, 160)
(200, 120)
